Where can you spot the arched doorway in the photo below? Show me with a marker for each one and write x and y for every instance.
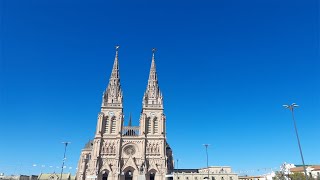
(128, 175)
(105, 176)
(152, 174)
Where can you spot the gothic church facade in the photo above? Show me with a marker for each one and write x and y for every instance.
(120, 152)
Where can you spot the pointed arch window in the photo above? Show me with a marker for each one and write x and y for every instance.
(107, 125)
(113, 125)
(148, 126)
(155, 125)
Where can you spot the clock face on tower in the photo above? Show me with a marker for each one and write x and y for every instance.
(152, 114)
(111, 113)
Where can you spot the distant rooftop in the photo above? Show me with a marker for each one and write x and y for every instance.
(186, 170)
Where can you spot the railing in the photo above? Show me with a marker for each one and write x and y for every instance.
(111, 104)
(131, 131)
(154, 105)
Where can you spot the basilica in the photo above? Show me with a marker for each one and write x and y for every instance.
(120, 152)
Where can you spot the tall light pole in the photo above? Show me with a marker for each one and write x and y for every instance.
(291, 108)
(206, 145)
(64, 157)
(177, 163)
(178, 168)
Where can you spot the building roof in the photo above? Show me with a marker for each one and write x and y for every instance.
(89, 145)
(250, 177)
(54, 176)
(186, 170)
(316, 168)
(216, 167)
(296, 169)
(300, 168)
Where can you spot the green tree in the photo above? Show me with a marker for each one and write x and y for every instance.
(279, 176)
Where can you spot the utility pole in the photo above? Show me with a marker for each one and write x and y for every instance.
(291, 108)
(206, 145)
(64, 157)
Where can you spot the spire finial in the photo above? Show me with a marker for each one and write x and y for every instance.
(117, 49)
(153, 51)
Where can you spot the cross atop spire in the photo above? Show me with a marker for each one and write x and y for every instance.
(112, 97)
(153, 96)
(117, 50)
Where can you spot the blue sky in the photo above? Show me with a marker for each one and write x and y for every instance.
(225, 68)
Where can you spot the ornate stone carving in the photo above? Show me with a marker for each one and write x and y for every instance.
(129, 150)
(153, 148)
(109, 148)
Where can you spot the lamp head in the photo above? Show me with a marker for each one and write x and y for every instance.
(285, 106)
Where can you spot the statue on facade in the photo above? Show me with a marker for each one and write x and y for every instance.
(142, 169)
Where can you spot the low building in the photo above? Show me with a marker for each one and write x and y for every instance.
(252, 178)
(312, 171)
(33, 177)
(213, 172)
(17, 177)
(55, 176)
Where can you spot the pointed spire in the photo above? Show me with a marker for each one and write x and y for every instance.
(152, 96)
(130, 121)
(113, 94)
(115, 68)
(153, 80)
(153, 72)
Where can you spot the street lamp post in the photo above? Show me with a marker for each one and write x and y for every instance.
(291, 108)
(178, 168)
(206, 145)
(64, 157)
(177, 163)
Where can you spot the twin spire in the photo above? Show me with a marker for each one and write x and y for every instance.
(112, 97)
(152, 98)
(115, 69)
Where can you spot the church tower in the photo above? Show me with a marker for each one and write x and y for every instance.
(112, 106)
(120, 152)
(152, 124)
(154, 121)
